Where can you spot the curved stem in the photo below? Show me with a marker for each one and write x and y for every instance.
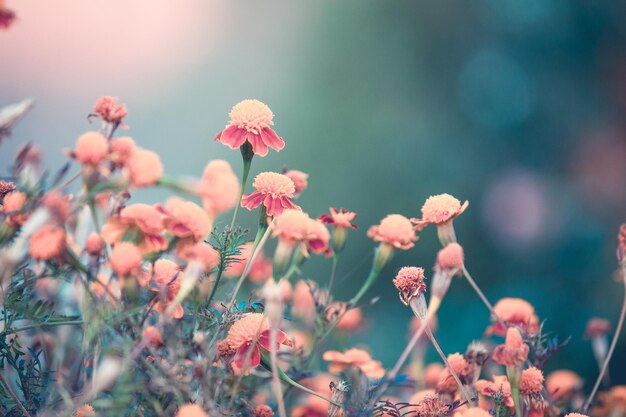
(607, 359)
(12, 394)
(371, 278)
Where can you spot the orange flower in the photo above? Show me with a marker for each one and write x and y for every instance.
(144, 223)
(357, 358)
(144, 167)
(250, 333)
(186, 219)
(12, 205)
(394, 230)
(125, 259)
(91, 148)
(47, 243)
(514, 351)
(451, 257)
(85, 411)
(514, 312)
(531, 382)
(498, 383)
(561, 384)
(460, 366)
(351, 321)
(219, 187)
(191, 410)
(440, 209)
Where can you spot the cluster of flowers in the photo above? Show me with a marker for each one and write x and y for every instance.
(113, 307)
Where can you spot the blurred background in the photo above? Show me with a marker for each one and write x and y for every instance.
(515, 106)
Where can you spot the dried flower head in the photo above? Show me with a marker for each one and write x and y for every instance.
(251, 121)
(498, 386)
(47, 243)
(451, 257)
(476, 353)
(394, 230)
(433, 406)
(274, 191)
(410, 283)
(531, 382)
(357, 358)
(514, 351)
(110, 112)
(440, 209)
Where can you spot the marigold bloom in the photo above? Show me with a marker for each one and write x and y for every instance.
(108, 111)
(357, 358)
(410, 283)
(451, 257)
(531, 382)
(475, 412)
(191, 410)
(274, 191)
(597, 327)
(168, 278)
(122, 149)
(91, 148)
(186, 219)
(432, 375)
(85, 410)
(250, 333)
(561, 384)
(200, 252)
(94, 244)
(498, 383)
(514, 312)
(125, 259)
(394, 230)
(47, 243)
(143, 222)
(251, 121)
(219, 187)
(12, 205)
(318, 238)
(152, 336)
(433, 406)
(300, 180)
(144, 167)
(440, 209)
(421, 394)
(341, 218)
(263, 410)
(460, 366)
(291, 226)
(514, 351)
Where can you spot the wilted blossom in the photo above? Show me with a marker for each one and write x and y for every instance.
(514, 351)
(514, 312)
(107, 109)
(410, 283)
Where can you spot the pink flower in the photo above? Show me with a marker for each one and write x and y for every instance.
(274, 191)
(432, 374)
(219, 187)
(122, 149)
(199, 252)
(91, 148)
(394, 230)
(106, 109)
(292, 226)
(357, 358)
(185, 219)
(514, 312)
(7, 17)
(94, 244)
(410, 283)
(341, 218)
(168, 279)
(252, 332)
(251, 121)
(460, 366)
(12, 206)
(318, 238)
(351, 321)
(144, 168)
(498, 383)
(562, 384)
(475, 412)
(440, 209)
(300, 180)
(152, 336)
(47, 243)
(531, 382)
(451, 257)
(514, 351)
(191, 410)
(144, 223)
(58, 205)
(125, 259)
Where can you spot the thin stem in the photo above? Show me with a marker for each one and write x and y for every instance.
(35, 326)
(277, 388)
(217, 282)
(333, 272)
(12, 394)
(482, 296)
(244, 180)
(609, 354)
(371, 278)
(94, 215)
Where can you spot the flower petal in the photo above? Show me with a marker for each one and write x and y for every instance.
(271, 139)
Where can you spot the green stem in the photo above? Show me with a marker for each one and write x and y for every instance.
(43, 325)
(244, 180)
(371, 278)
(515, 395)
(333, 272)
(217, 282)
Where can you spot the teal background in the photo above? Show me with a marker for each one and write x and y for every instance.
(517, 107)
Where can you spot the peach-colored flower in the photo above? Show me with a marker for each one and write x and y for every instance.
(318, 238)
(357, 358)
(12, 206)
(421, 394)
(219, 187)
(110, 112)
(433, 406)
(274, 191)
(460, 366)
(125, 259)
(122, 149)
(94, 244)
(144, 167)
(475, 412)
(351, 321)
(291, 226)
(410, 283)
(200, 252)
(85, 410)
(186, 219)
(394, 230)
(531, 382)
(168, 278)
(152, 336)
(514, 312)
(451, 257)
(58, 205)
(47, 243)
(91, 148)
(263, 410)
(342, 218)
(251, 121)
(143, 222)
(562, 383)
(300, 180)
(191, 410)
(259, 271)
(432, 374)
(498, 383)
(576, 415)
(597, 327)
(250, 333)
(5, 188)
(440, 209)
(514, 351)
